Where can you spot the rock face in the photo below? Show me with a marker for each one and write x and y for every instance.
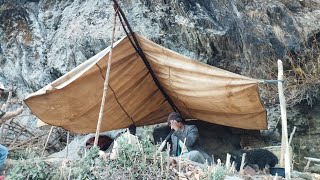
(40, 40)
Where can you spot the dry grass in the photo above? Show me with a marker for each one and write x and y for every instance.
(133, 162)
(301, 72)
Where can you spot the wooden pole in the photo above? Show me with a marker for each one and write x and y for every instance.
(106, 82)
(45, 145)
(242, 163)
(285, 158)
(228, 161)
(68, 136)
(292, 133)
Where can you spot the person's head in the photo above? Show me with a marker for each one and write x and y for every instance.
(132, 129)
(175, 117)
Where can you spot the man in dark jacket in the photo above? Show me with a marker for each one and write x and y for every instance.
(185, 140)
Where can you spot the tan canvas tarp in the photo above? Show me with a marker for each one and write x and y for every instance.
(198, 90)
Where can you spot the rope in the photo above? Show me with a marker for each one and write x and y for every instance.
(138, 49)
(270, 81)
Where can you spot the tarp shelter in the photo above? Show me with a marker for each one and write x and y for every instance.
(199, 91)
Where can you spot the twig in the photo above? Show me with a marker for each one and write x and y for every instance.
(16, 138)
(22, 127)
(28, 140)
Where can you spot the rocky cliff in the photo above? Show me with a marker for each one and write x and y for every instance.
(40, 40)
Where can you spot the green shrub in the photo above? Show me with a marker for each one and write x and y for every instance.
(133, 162)
(30, 166)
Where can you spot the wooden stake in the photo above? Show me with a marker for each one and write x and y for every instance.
(68, 136)
(228, 161)
(182, 150)
(292, 133)
(285, 158)
(161, 165)
(45, 145)
(168, 156)
(106, 82)
(242, 163)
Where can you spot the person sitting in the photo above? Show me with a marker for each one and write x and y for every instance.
(185, 140)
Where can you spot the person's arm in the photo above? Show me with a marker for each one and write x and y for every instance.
(191, 135)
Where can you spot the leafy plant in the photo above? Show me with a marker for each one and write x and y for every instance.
(30, 166)
(86, 166)
(215, 172)
(134, 161)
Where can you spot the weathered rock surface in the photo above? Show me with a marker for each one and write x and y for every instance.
(40, 40)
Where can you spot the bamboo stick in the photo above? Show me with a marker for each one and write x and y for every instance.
(242, 163)
(106, 82)
(68, 136)
(182, 150)
(161, 165)
(312, 159)
(228, 161)
(285, 158)
(168, 156)
(45, 145)
(292, 133)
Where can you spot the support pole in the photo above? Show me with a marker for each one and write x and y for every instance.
(285, 158)
(45, 144)
(242, 163)
(292, 133)
(106, 82)
(228, 161)
(68, 136)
